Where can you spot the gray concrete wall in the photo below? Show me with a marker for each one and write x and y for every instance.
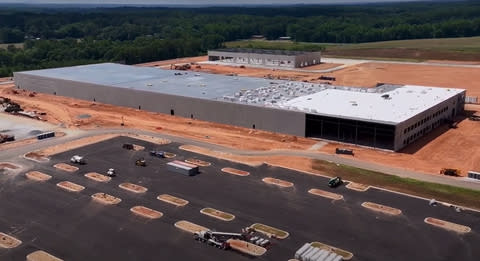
(426, 120)
(308, 59)
(291, 61)
(270, 119)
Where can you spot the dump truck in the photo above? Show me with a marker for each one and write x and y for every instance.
(78, 160)
(450, 172)
(141, 162)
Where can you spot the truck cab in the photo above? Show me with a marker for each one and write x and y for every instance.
(78, 160)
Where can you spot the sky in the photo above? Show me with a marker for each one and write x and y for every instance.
(196, 2)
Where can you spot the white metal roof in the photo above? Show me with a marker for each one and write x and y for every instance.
(365, 104)
(402, 103)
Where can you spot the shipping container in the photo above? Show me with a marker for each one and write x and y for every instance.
(183, 168)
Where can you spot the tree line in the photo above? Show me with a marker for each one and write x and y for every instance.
(61, 37)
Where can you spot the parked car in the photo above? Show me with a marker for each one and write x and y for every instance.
(335, 182)
(156, 153)
(111, 172)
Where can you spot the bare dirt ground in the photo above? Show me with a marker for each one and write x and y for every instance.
(98, 177)
(224, 216)
(198, 162)
(325, 194)
(236, 172)
(7, 165)
(189, 226)
(133, 187)
(40, 255)
(381, 208)
(369, 74)
(447, 225)
(172, 200)
(278, 182)
(7, 241)
(106, 199)
(65, 167)
(70, 186)
(246, 247)
(146, 212)
(357, 186)
(38, 176)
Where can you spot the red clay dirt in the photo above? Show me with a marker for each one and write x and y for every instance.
(198, 162)
(133, 187)
(7, 165)
(66, 167)
(246, 247)
(447, 225)
(278, 182)
(236, 172)
(38, 176)
(146, 212)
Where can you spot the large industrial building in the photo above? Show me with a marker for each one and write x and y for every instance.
(387, 117)
(275, 58)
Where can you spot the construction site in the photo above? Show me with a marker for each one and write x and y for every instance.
(211, 156)
(386, 117)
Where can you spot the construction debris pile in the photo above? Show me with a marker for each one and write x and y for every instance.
(182, 67)
(14, 108)
(9, 106)
(6, 138)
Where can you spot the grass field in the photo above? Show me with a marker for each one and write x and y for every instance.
(465, 44)
(277, 45)
(454, 49)
(465, 197)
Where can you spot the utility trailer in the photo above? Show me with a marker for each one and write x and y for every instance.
(344, 151)
(183, 168)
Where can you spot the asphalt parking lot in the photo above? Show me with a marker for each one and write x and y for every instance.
(73, 227)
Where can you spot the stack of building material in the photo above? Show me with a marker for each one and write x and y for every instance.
(46, 135)
(309, 253)
(183, 167)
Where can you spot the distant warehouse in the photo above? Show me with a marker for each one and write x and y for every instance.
(387, 117)
(276, 58)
